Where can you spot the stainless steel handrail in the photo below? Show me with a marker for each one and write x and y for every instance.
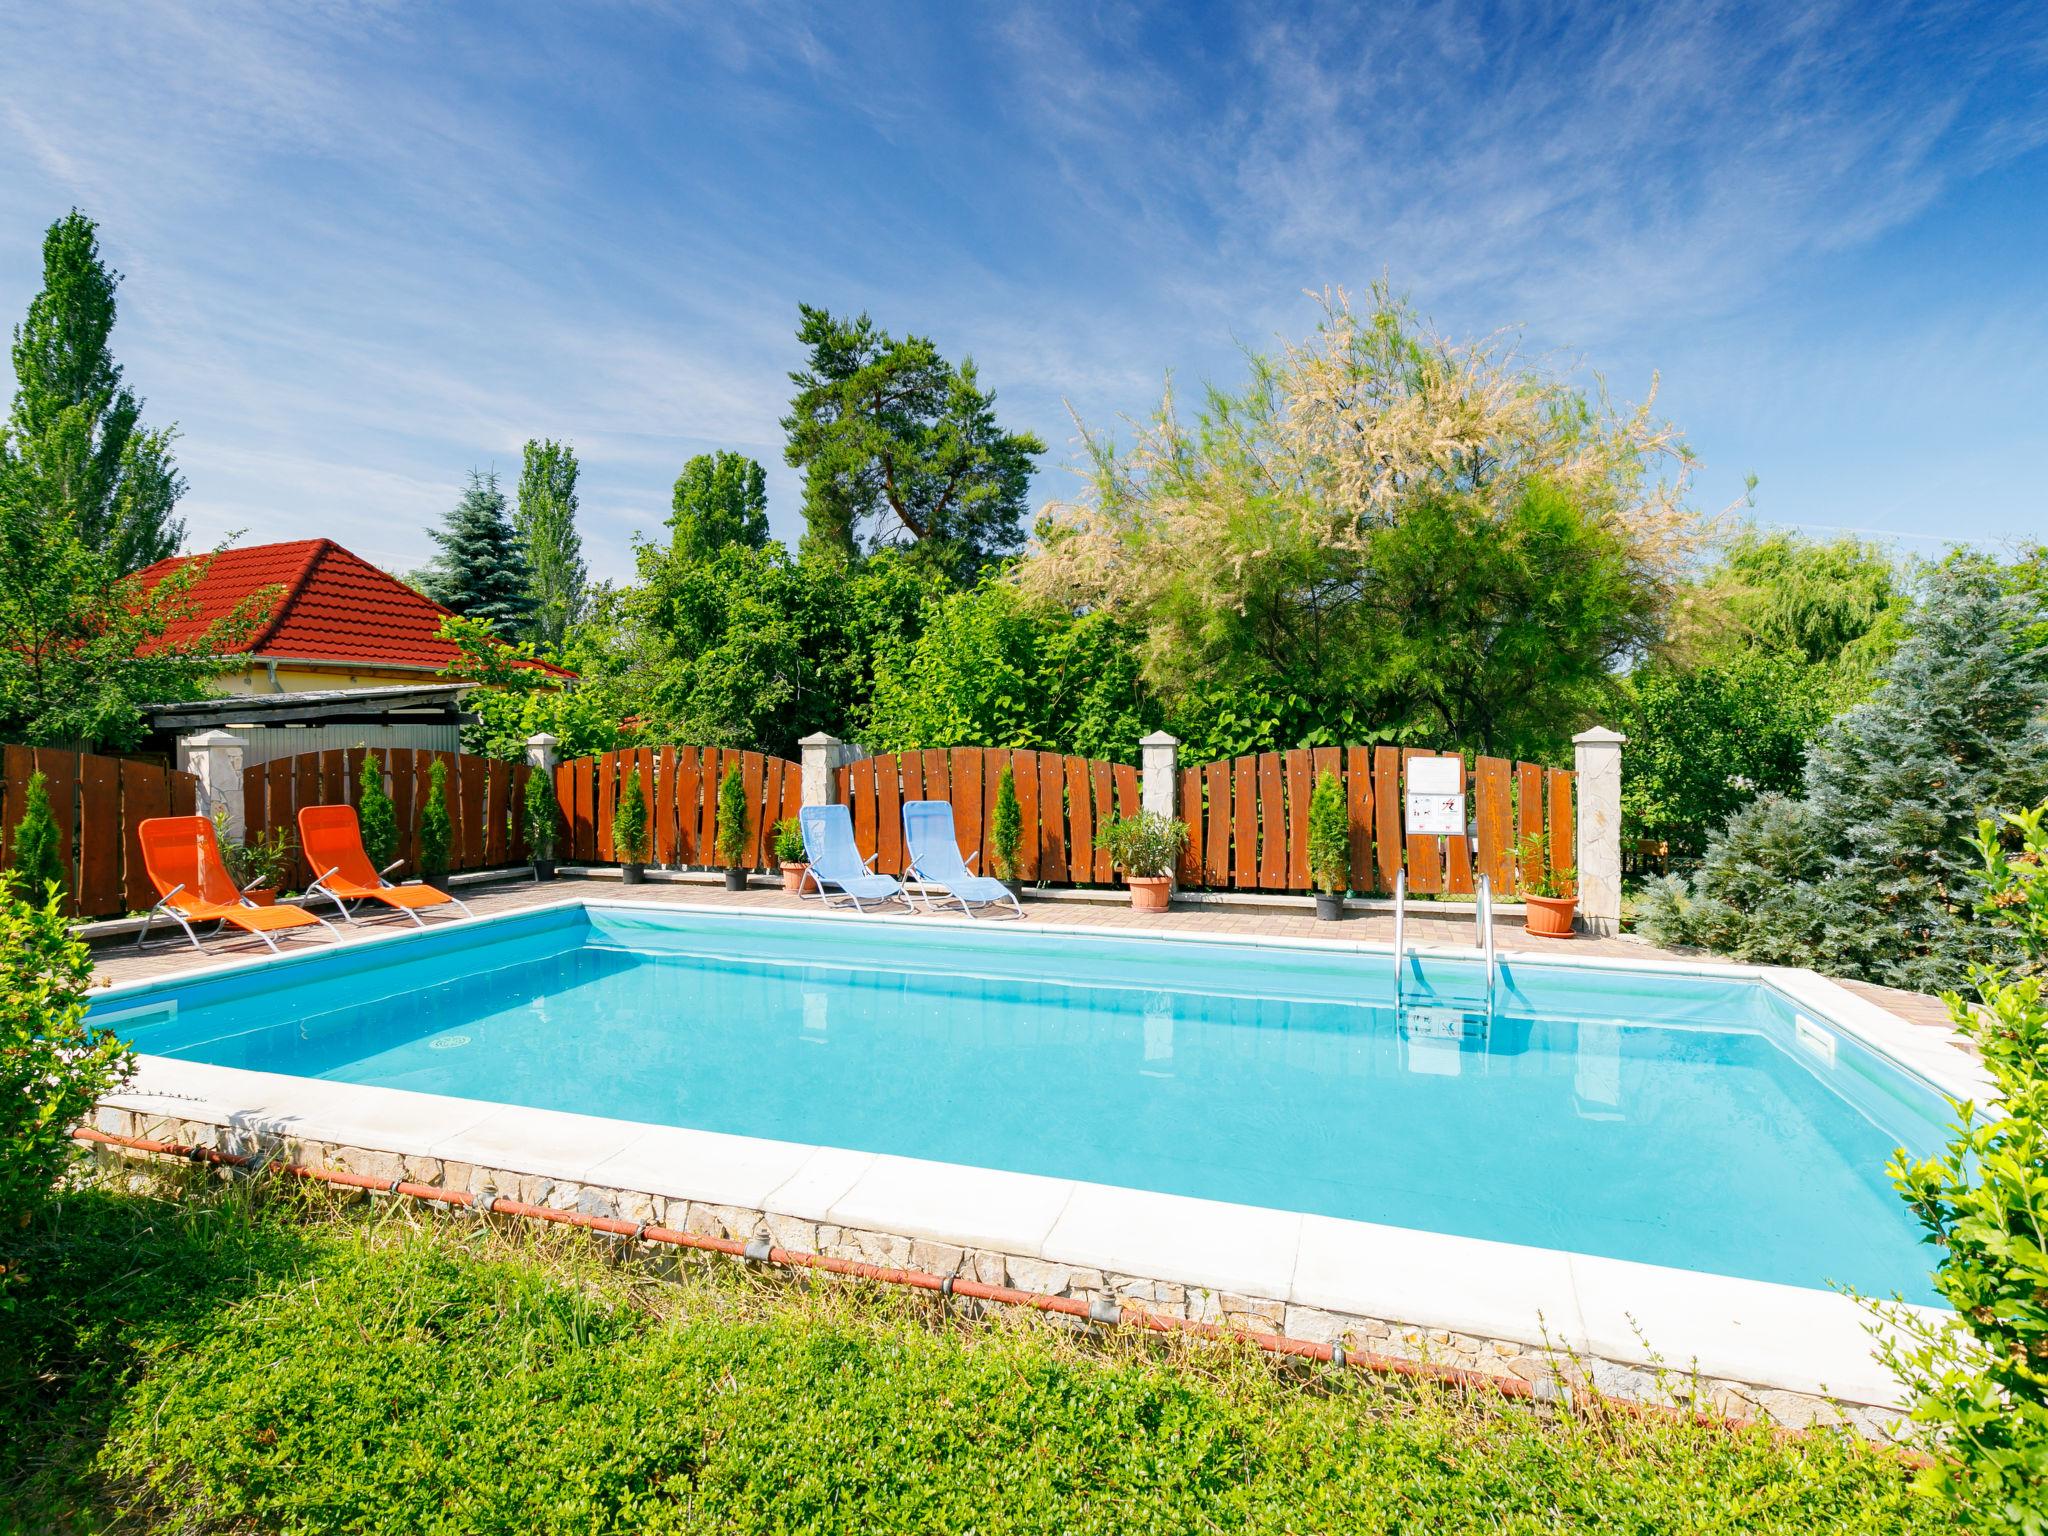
(1400, 929)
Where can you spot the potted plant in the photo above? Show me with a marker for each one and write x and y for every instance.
(1006, 835)
(789, 853)
(541, 812)
(435, 832)
(1329, 847)
(1145, 845)
(629, 830)
(258, 865)
(376, 816)
(1547, 894)
(734, 826)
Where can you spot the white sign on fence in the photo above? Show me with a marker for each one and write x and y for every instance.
(1435, 801)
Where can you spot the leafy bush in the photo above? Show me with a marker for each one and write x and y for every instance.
(435, 832)
(1539, 876)
(734, 824)
(263, 861)
(375, 813)
(1007, 834)
(543, 814)
(1980, 1378)
(53, 1068)
(37, 863)
(629, 820)
(1144, 845)
(1873, 874)
(789, 841)
(1329, 836)
(237, 1363)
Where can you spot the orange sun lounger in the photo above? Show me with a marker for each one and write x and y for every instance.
(183, 858)
(333, 842)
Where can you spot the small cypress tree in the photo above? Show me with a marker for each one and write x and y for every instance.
(1329, 836)
(732, 818)
(375, 813)
(1007, 835)
(480, 572)
(37, 863)
(629, 821)
(435, 833)
(1872, 871)
(541, 814)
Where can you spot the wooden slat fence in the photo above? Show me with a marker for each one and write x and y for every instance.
(1063, 801)
(97, 803)
(681, 788)
(485, 798)
(1248, 821)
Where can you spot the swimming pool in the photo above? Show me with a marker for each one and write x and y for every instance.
(1671, 1118)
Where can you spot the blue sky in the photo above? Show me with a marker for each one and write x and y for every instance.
(367, 248)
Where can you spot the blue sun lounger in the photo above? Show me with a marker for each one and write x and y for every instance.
(934, 854)
(834, 860)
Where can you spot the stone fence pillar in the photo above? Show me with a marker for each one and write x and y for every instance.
(1159, 777)
(1596, 759)
(823, 756)
(540, 752)
(215, 759)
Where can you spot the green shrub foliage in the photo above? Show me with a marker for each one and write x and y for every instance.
(629, 821)
(789, 841)
(435, 832)
(37, 862)
(1980, 1378)
(733, 822)
(1007, 835)
(1871, 871)
(1329, 836)
(375, 813)
(1144, 845)
(542, 814)
(53, 1067)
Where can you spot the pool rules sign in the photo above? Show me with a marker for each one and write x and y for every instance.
(1435, 801)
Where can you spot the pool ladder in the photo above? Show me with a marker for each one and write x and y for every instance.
(1482, 915)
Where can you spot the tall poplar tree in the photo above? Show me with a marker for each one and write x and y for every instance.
(74, 438)
(553, 550)
(720, 499)
(480, 572)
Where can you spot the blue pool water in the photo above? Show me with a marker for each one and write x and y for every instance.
(1665, 1118)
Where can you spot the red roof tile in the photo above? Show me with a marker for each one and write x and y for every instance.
(334, 606)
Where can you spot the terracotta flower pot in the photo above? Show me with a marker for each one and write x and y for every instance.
(1148, 892)
(1550, 917)
(793, 878)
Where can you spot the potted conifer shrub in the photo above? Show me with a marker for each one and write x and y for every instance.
(1329, 847)
(789, 853)
(435, 833)
(541, 812)
(1145, 845)
(629, 830)
(259, 864)
(734, 828)
(1549, 904)
(376, 816)
(1006, 834)
(37, 862)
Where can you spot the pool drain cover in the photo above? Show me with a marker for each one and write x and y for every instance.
(448, 1043)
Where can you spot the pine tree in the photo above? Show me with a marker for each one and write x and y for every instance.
(375, 814)
(480, 572)
(553, 550)
(1871, 871)
(75, 434)
(37, 864)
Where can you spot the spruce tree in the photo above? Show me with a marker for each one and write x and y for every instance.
(75, 434)
(480, 572)
(37, 862)
(553, 550)
(1871, 871)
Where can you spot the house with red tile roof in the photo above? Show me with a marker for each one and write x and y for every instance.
(337, 620)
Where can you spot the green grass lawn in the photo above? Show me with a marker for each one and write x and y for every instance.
(201, 1360)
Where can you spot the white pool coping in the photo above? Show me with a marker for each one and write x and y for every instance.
(1769, 1335)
